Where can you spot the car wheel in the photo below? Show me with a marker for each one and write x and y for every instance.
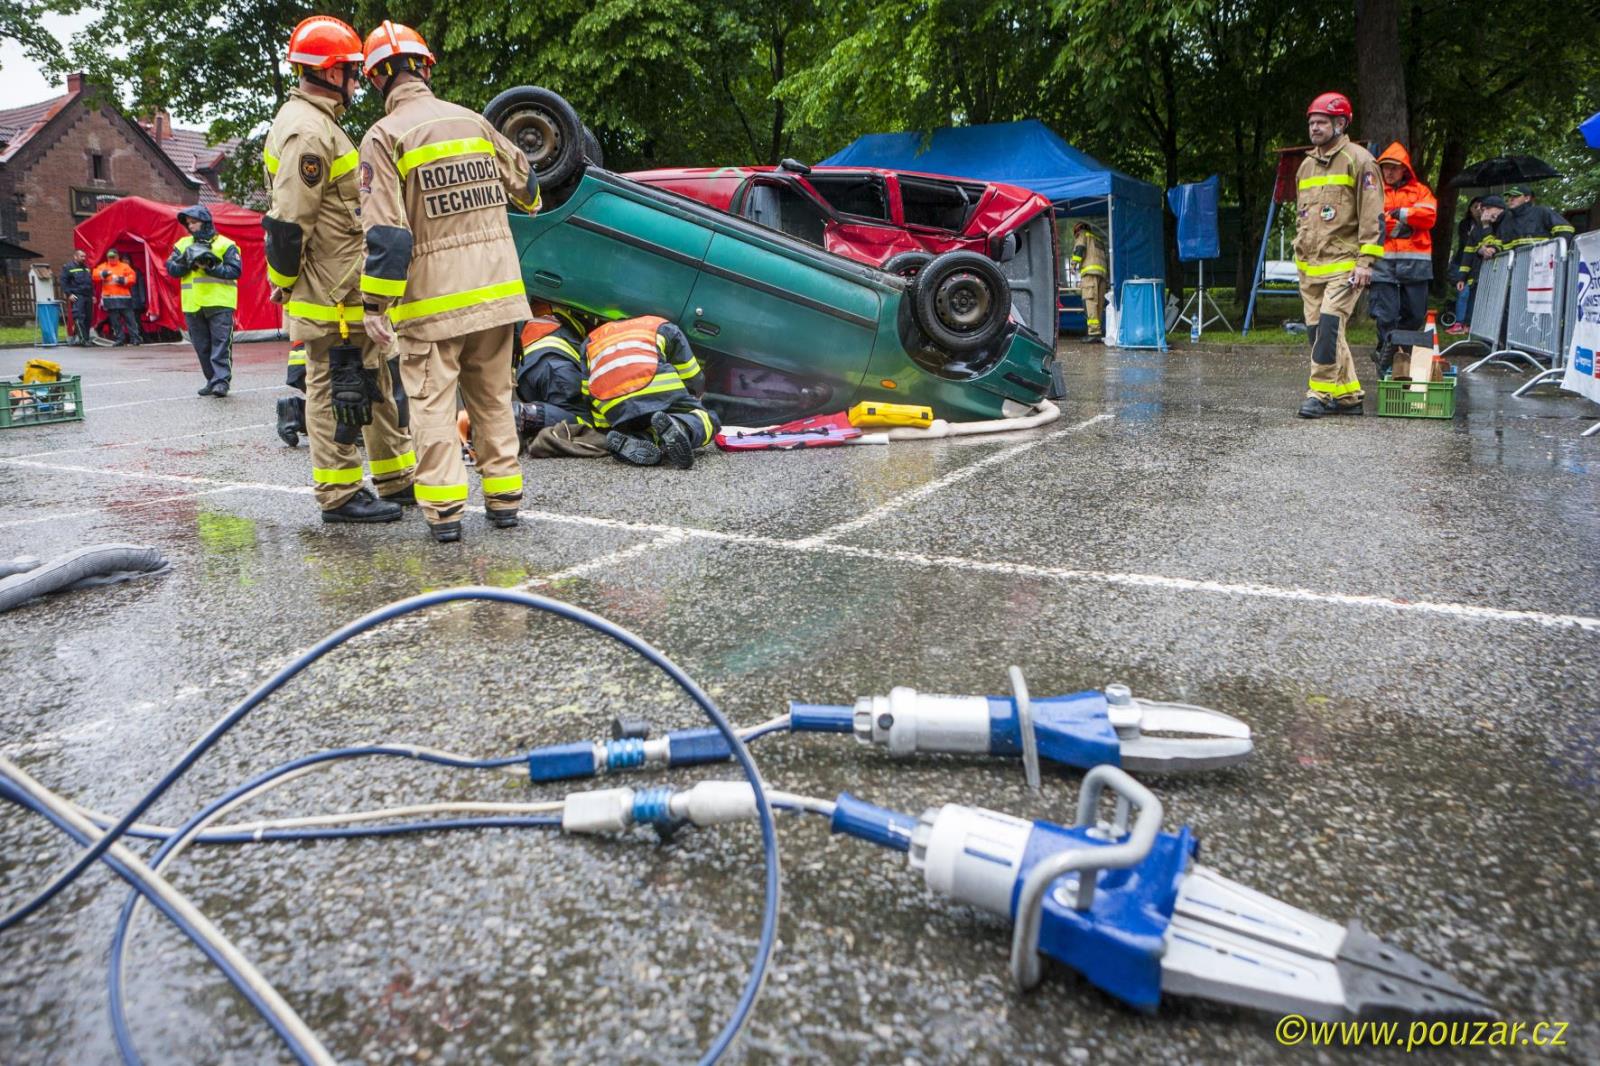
(961, 301)
(907, 264)
(591, 148)
(545, 127)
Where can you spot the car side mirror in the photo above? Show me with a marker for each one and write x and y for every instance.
(794, 166)
(1008, 248)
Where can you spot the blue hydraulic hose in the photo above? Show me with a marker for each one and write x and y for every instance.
(769, 838)
(237, 979)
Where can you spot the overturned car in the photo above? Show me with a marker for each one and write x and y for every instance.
(785, 328)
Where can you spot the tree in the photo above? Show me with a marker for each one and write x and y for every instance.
(1381, 73)
(20, 20)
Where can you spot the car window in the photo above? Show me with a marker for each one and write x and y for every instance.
(946, 205)
(861, 195)
(780, 206)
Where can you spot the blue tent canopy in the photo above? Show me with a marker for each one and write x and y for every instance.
(1029, 154)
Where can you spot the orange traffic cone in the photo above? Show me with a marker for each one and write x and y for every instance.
(469, 454)
(1436, 362)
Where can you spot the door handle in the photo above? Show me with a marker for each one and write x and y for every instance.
(547, 279)
(710, 329)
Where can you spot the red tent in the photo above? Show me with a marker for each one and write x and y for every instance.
(144, 231)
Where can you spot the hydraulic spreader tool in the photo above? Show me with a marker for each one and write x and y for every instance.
(1116, 898)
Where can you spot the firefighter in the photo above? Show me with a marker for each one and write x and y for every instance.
(314, 246)
(442, 279)
(1524, 223)
(1470, 231)
(1339, 201)
(116, 280)
(644, 386)
(292, 409)
(77, 284)
(207, 266)
(1089, 256)
(1398, 298)
(552, 404)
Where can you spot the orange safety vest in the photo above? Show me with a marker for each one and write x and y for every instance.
(623, 357)
(120, 283)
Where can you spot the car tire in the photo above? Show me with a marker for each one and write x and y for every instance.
(591, 148)
(545, 127)
(961, 301)
(907, 264)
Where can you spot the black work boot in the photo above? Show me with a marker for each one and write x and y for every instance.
(1348, 408)
(1385, 359)
(635, 450)
(406, 497)
(1315, 408)
(675, 442)
(445, 532)
(203, 390)
(502, 517)
(363, 507)
(291, 417)
(219, 388)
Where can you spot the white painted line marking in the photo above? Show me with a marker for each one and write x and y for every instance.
(672, 534)
(191, 396)
(103, 384)
(148, 440)
(621, 555)
(116, 508)
(955, 476)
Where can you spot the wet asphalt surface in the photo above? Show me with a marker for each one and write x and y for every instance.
(1432, 771)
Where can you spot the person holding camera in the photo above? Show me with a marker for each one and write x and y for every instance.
(207, 265)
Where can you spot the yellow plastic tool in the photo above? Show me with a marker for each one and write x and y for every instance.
(870, 414)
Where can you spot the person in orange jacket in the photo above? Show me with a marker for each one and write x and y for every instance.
(1399, 295)
(116, 280)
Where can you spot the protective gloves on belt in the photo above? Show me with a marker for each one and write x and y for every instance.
(350, 387)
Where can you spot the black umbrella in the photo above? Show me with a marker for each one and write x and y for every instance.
(1504, 170)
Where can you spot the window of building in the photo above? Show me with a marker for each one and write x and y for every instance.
(97, 167)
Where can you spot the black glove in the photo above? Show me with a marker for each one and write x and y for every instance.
(204, 260)
(105, 275)
(352, 397)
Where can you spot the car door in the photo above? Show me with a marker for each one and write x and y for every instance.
(615, 249)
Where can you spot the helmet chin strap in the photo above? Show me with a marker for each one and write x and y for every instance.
(393, 76)
(346, 91)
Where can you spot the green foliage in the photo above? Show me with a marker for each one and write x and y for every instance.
(20, 21)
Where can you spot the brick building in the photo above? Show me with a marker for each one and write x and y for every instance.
(59, 158)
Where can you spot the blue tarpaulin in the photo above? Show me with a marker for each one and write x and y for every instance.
(1029, 154)
(1591, 131)
(1195, 205)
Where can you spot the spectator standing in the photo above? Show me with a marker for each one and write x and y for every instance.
(1470, 232)
(207, 266)
(1399, 298)
(77, 287)
(116, 296)
(1524, 223)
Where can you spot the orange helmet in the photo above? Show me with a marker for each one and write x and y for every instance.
(322, 41)
(391, 41)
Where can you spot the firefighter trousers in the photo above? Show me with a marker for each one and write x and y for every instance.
(335, 467)
(480, 365)
(1094, 303)
(1328, 303)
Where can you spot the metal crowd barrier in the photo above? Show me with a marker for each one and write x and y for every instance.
(1541, 334)
(1503, 282)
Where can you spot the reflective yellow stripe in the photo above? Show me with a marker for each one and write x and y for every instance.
(388, 466)
(297, 357)
(282, 281)
(270, 160)
(688, 369)
(347, 476)
(669, 382)
(1322, 270)
(497, 486)
(440, 493)
(343, 165)
(321, 312)
(1329, 388)
(705, 420)
(1372, 249)
(1091, 271)
(429, 153)
(1328, 179)
(383, 286)
(434, 305)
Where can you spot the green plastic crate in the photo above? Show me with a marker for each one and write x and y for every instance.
(1416, 399)
(40, 403)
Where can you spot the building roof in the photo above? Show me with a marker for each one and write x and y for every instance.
(188, 150)
(17, 124)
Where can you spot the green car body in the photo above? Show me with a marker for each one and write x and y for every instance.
(786, 329)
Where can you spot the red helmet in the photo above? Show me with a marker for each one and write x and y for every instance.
(1334, 105)
(392, 41)
(322, 41)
